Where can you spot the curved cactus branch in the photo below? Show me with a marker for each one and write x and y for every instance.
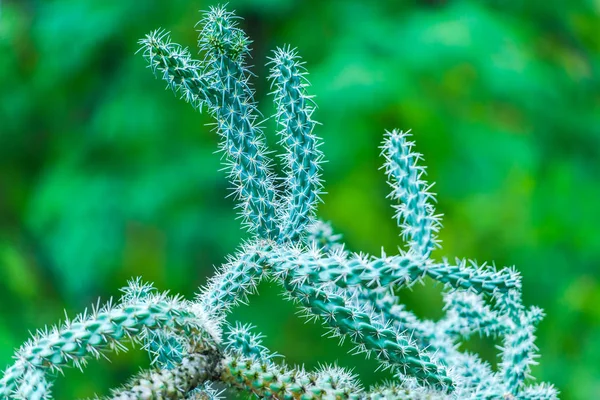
(103, 330)
(390, 346)
(368, 272)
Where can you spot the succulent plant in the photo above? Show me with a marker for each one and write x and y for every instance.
(190, 343)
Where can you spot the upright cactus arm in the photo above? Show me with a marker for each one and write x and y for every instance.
(415, 212)
(519, 352)
(226, 48)
(220, 82)
(303, 157)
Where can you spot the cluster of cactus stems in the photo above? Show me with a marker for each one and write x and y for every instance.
(193, 347)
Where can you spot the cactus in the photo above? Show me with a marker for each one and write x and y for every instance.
(191, 345)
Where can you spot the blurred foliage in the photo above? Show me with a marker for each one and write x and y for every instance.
(105, 176)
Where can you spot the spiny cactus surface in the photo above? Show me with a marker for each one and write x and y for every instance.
(191, 345)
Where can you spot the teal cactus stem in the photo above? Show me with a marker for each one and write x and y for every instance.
(302, 158)
(382, 301)
(241, 340)
(519, 353)
(170, 383)
(91, 335)
(268, 380)
(34, 386)
(234, 281)
(540, 391)
(476, 375)
(252, 367)
(226, 48)
(390, 346)
(511, 305)
(395, 314)
(518, 348)
(164, 346)
(222, 86)
(174, 64)
(467, 313)
(375, 272)
(439, 339)
(320, 235)
(187, 77)
(414, 211)
(399, 393)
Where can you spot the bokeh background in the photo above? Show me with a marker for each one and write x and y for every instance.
(104, 175)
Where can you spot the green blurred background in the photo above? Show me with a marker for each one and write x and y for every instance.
(104, 175)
